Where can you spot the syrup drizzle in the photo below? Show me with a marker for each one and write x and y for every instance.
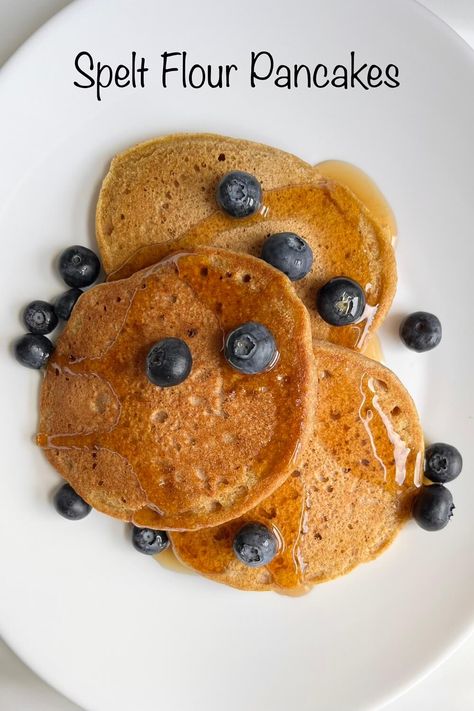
(391, 442)
(373, 349)
(400, 450)
(418, 474)
(366, 319)
(366, 190)
(365, 416)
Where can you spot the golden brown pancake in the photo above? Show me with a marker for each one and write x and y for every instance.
(344, 239)
(350, 495)
(204, 451)
(156, 190)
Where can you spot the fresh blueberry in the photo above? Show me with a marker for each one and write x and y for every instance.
(341, 301)
(149, 541)
(79, 266)
(433, 507)
(39, 317)
(443, 463)
(65, 303)
(239, 194)
(421, 331)
(255, 545)
(289, 253)
(169, 362)
(33, 350)
(251, 348)
(69, 504)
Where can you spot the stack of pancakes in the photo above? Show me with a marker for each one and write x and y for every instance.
(325, 449)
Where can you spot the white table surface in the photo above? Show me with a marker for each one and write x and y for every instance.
(451, 686)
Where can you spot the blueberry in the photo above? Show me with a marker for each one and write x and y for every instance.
(289, 253)
(148, 541)
(443, 463)
(255, 545)
(421, 331)
(239, 194)
(433, 507)
(251, 348)
(39, 317)
(65, 303)
(33, 350)
(79, 266)
(168, 362)
(69, 504)
(341, 301)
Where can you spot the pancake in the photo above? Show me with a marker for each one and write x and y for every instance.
(344, 238)
(156, 190)
(204, 451)
(350, 495)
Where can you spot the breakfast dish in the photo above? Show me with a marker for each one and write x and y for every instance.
(211, 391)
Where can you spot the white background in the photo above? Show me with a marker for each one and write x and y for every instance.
(451, 686)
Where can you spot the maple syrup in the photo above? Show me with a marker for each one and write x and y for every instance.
(373, 349)
(168, 560)
(366, 190)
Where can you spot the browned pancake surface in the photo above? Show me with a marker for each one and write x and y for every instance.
(344, 239)
(350, 495)
(156, 190)
(204, 451)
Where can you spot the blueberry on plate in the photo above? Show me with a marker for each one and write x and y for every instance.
(421, 331)
(168, 362)
(433, 507)
(69, 504)
(65, 303)
(33, 351)
(289, 253)
(341, 301)
(251, 348)
(239, 194)
(79, 266)
(40, 318)
(255, 545)
(149, 541)
(443, 463)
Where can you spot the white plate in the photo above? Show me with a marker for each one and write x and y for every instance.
(110, 628)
